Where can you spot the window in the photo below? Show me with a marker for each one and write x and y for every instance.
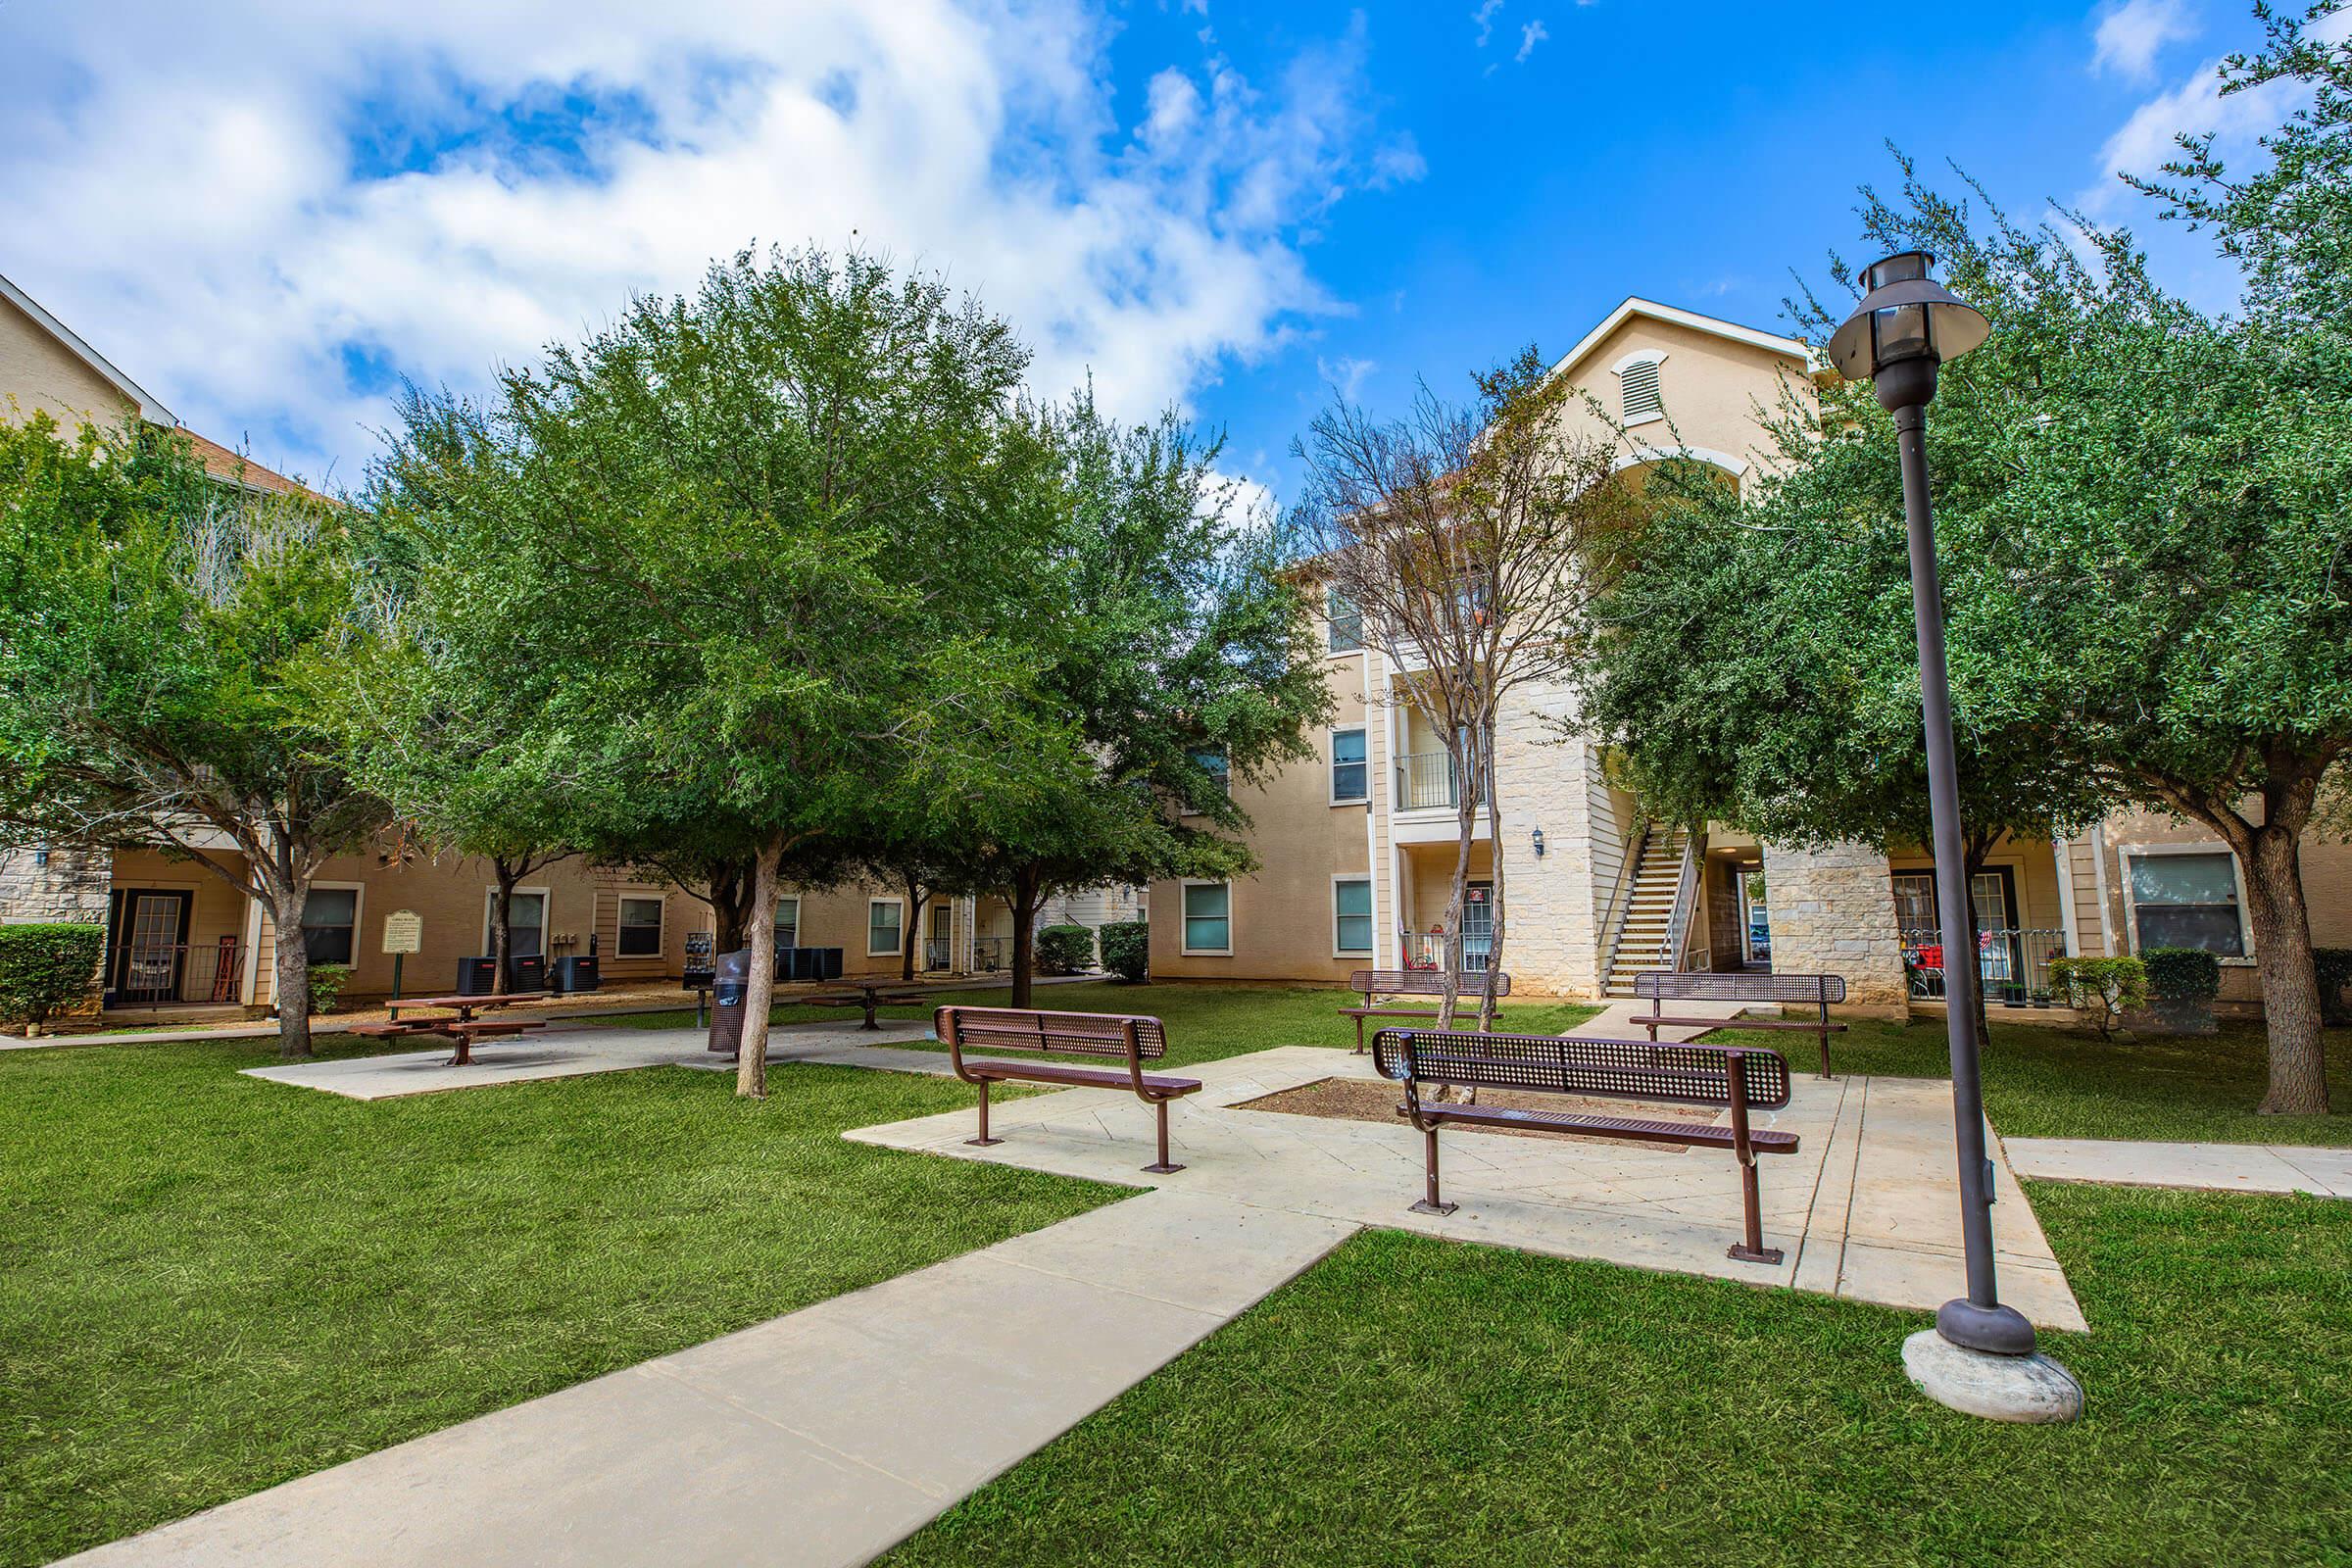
(788, 923)
(1351, 915)
(1208, 917)
(330, 916)
(1637, 382)
(1346, 620)
(882, 917)
(526, 921)
(2186, 900)
(1351, 775)
(640, 929)
(1212, 760)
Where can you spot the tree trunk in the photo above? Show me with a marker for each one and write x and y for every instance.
(917, 898)
(2291, 987)
(501, 923)
(1024, 935)
(751, 1064)
(1486, 987)
(730, 903)
(293, 971)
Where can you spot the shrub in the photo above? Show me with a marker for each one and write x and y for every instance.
(2103, 989)
(1065, 948)
(2182, 974)
(327, 981)
(2335, 974)
(1127, 949)
(47, 970)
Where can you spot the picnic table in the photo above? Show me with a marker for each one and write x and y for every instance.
(463, 1029)
(867, 995)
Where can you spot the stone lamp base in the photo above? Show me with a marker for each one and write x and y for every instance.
(1998, 1388)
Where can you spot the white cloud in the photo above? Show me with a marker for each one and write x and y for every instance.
(1483, 19)
(2132, 32)
(1345, 374)
(1534, 34)
(258, 208)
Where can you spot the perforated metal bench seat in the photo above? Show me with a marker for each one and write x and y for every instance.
(1049, 1072)
(1697, 1134)
(1806, 1025)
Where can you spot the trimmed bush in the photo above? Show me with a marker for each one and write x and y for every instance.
(47, 969)
(2101, 989)
(1127, 949)
(2182, 974)
(327, 981)
(1065, 948)
(2334, 965)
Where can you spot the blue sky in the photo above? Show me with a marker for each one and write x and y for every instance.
(268, 211)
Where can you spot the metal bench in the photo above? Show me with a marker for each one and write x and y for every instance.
(1373, 984)
(1815, 991)
(1119, 1037)
(1739, 1078)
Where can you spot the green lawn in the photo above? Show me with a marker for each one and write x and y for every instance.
(2042, 1082)
(1414, 1401)
(210, 1284)
(1205, 1022)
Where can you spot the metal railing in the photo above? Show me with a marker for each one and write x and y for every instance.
(939, 954)
(2013, 965)
(166, 975)
(1425, 779)
(1629, 861)
(991, 953)
(1686, 906)
(1429, 949)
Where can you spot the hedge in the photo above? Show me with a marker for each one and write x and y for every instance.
(48, 969)
(1127, 949)
(1065, 948)
(2182, 974)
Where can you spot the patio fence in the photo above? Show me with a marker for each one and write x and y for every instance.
(166, 975)
(2013, 966)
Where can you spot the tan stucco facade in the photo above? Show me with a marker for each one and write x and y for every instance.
(39, 374)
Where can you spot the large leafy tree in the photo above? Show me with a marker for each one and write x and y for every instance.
(750, 541)
(156, 625)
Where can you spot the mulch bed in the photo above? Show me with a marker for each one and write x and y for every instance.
(1365, 1099)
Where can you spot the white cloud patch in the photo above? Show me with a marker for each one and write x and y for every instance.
(2130, 35)
(1346, 375)
(265, 209)
(1483, 19)
(1534, 34)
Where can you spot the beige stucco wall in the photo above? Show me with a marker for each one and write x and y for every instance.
(39, 374)
(1710, 387)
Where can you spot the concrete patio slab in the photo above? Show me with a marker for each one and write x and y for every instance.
(2209, 1168)
(819, 1437)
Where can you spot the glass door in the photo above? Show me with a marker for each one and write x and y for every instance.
(1478, 925)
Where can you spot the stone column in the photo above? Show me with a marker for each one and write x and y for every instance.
(1833, 913)
(1551, 947)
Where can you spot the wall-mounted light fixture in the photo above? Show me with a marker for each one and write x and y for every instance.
(1539, 844)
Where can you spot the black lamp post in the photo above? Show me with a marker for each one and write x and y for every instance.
(1906, 326)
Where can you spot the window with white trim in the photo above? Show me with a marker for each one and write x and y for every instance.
(1638, 388)
(883, 917)
(1350, 772)
(640, 935)
(1351, 915)
(329, 922)
(1208, 917)
(1346, 621)
(2186, 900)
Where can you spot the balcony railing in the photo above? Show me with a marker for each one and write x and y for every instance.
(2013, 966)
(166, 975)
(990, 955)
(1426, 780)
(939, 954)
(1428, 949)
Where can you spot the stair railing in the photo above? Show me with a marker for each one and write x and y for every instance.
(1612, 924)
(1685, 905)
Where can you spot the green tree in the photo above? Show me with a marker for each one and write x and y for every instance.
(156, 627)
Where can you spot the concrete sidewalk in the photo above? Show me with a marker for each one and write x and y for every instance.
(2209, 1168)
(820, 1438)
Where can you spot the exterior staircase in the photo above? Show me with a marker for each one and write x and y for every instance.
(1644, 936)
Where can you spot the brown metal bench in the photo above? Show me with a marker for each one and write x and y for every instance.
(1816, 991)
(1739, 1078)
(1132, 1040)
(1373, 984)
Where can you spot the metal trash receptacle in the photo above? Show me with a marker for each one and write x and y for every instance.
(730, 984)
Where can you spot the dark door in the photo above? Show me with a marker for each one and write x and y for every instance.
(148, 931)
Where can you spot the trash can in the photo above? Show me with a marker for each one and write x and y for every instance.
(730, 983)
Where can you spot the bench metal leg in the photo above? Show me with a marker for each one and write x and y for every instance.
(1432, 1205)
(984, 1141)
(1359, 1035)
(1752, 1249)
(1161, 1166)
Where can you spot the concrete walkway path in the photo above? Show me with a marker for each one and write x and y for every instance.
(821, 1438)
(2215, 1167)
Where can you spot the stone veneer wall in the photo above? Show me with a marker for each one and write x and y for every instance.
(1551, 945)
(73, 886)
(1833, 913)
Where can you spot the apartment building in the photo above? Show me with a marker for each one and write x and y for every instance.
(1357, 848)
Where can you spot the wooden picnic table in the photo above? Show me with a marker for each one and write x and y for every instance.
(868, 995)
(464, 1028)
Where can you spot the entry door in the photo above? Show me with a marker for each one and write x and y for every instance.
(1478, 925)
(150, 956)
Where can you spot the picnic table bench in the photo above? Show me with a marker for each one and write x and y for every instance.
(1132, 1040)
(1739, 1078)
(465, 1029)
(1373, 984)
(866, 994)
(1815, 991)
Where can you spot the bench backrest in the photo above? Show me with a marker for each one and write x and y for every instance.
(1620, 1069)
(1076, 1034)
(1421, 983)
(1669, 985)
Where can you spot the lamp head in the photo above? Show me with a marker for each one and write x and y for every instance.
(1906, 326)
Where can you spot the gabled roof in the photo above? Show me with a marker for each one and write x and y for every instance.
(1673, 316)
(234, 467)
(153, 412)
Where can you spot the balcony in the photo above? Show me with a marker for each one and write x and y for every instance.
(154, 974)
(1425, 782)
(2013, 966)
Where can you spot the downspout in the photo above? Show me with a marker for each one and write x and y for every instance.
(1372, 775)
(2066, 892)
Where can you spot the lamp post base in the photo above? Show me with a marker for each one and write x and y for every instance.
(1999, 1388)
(1995, 1330)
